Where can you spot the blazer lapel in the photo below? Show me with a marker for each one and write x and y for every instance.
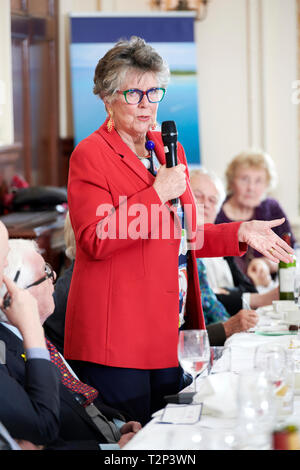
(130, 159)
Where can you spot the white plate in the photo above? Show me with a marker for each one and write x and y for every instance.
(269, 312)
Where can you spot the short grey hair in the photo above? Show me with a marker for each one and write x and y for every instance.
(126, 55)
(215, 179)
(17, 259)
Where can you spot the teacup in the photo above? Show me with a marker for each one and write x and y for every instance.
(292, 316)
(281, 305)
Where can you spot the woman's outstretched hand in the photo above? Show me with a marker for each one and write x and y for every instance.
(259, 235)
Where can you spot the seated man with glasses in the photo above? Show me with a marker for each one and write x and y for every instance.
(30, 408)
(85, 423)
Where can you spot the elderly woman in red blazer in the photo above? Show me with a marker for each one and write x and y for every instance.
(135, 278)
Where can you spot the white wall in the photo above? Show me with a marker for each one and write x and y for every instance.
(247, 62)
(223, 82)
(280, 114)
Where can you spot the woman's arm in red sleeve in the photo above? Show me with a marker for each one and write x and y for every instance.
(219, 240)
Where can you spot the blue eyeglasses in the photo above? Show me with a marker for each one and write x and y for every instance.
(135, 96)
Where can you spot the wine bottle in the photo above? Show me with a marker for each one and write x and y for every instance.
(287, 273)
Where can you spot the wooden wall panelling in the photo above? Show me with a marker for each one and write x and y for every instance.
(35, 88)
(18, 6)
(21, 103)
(10, 156)
(66, 147)
(40, 7)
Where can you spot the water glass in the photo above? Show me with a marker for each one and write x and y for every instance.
(194, 352)
(278, 366)
(256, 410)
(284, 393)
(272, 359)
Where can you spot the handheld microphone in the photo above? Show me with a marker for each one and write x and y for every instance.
(169, 137)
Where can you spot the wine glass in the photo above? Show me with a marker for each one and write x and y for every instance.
(255, 410)
(278, 366)
(194, 352)
(272, 359)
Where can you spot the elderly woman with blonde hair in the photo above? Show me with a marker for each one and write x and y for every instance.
(250, 177)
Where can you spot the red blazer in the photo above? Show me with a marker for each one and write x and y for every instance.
(123, 305)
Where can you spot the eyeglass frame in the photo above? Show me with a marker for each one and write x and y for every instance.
(142, 94)
(7, 296)
(44, 278)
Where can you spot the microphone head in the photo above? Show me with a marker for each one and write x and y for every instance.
(168, 132)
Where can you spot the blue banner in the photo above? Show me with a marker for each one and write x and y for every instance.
(152, 29)
(172, 35)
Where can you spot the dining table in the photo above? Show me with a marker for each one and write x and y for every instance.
(210, 421)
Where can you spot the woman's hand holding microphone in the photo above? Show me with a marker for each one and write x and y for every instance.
(170, 183)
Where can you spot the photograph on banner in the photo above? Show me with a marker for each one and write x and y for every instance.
(181, 101)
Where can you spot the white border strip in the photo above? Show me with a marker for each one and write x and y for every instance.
(133, 14)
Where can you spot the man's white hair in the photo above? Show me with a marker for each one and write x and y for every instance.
(215, 180)
(18, 259)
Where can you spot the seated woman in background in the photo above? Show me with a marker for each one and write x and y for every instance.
(250, 177)
(54, 326)
(232, 288)
(259, 272)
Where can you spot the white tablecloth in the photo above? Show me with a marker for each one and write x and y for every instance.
(212, 432)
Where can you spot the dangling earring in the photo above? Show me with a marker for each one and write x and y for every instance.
(110, 124)
(153, 127)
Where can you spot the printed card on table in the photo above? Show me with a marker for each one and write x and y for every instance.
(182, 414)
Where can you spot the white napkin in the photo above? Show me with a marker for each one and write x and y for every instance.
(272, 328)
(265, 309)
(218, 394)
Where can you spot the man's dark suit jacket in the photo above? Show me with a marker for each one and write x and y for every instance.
(233, 301)
(77, 430)
(30, 410)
